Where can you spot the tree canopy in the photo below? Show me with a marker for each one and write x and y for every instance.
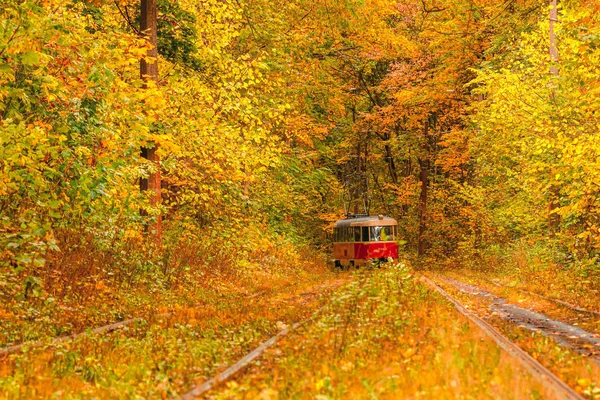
(270, 116)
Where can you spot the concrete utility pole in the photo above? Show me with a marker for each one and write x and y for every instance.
(149, 72)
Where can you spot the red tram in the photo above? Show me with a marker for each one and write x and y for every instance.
(359, 240)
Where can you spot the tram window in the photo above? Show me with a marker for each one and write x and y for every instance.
(387, 233)
(382, 233)
(357, 234)
(336, 235)
(365, 233)
(375, 233)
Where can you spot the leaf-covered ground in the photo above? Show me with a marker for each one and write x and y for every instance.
(213, 322)
(369, 334)
(385, 335)
(65, 305)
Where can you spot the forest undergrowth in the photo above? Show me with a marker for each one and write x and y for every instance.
(532, 265)
(216, 313)
(62, 299)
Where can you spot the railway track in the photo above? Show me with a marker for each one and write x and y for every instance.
(554, 385)
(224, 376)
(4, 351)
(562, 303)
(301, 297)
(541, 373)
(564, 333)
(100, 330)
(230, 372)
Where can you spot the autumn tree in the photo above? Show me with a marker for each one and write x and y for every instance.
(537, 138)
(149, 73)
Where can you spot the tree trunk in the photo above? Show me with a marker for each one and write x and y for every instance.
(366, 173)
(553, 217)
(553, 202)
(553, 49)
(359, 185)
(391, 164)
(149, 72)
(424, 178)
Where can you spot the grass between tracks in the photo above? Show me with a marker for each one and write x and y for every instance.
(385, 335)
(217, 315)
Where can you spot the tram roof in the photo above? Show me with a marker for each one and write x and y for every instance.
(374, 220)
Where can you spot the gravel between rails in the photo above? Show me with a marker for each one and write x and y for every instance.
(563, 303)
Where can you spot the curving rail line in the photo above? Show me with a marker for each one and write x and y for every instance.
(4, 351)
(99, 330)
(547, 378)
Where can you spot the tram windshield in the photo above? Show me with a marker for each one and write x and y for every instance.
(382, 233)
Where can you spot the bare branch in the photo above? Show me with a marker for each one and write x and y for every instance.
(127, 18)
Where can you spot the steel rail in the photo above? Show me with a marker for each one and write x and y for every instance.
(562, 303)
(55, 341)
(238, 366)
(247, 359)
(33, 344)
(539, 372)
(244, 361)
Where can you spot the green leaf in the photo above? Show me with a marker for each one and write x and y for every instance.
(31, 58)
(5, 70)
